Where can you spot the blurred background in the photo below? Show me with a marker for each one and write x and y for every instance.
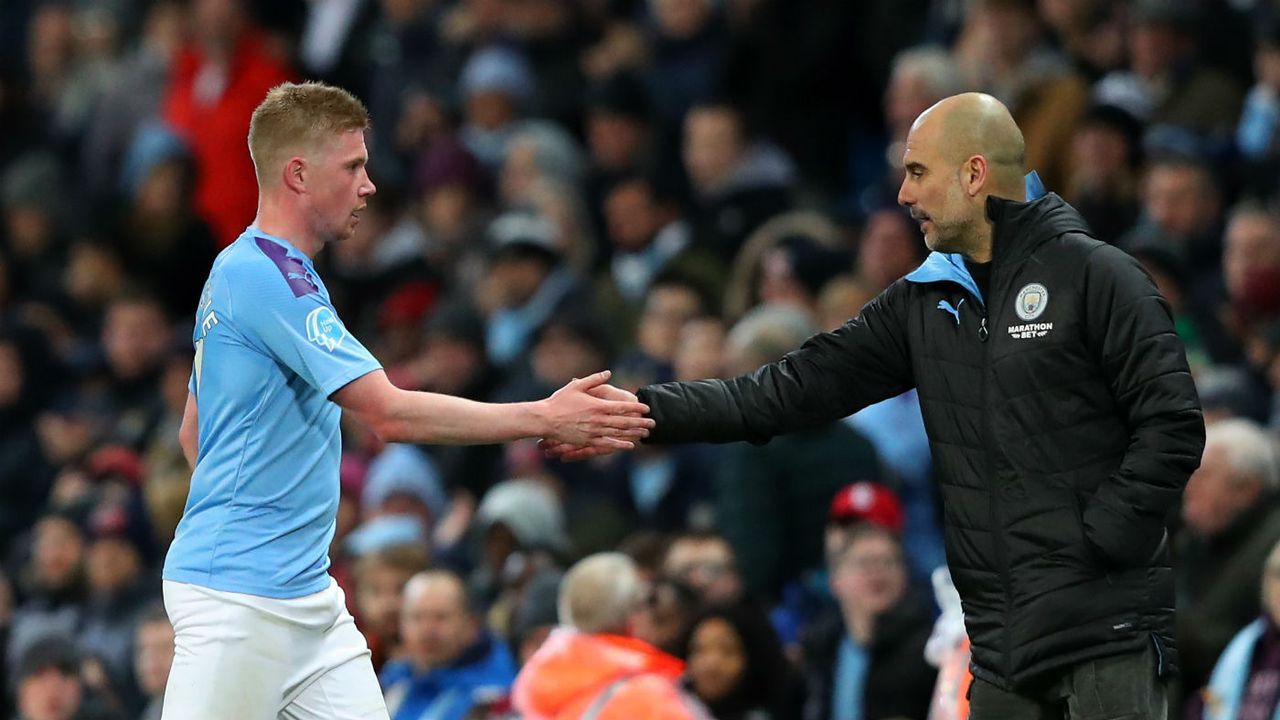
(674, 189)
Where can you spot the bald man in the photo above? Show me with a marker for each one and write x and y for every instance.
(1061, 416)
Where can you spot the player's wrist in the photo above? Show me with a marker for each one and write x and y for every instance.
(541, 420)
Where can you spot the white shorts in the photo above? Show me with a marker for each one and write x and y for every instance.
(245, 657)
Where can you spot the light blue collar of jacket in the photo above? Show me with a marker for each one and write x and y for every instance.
(950, 267)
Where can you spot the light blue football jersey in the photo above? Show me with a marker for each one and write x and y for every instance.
(270, 350)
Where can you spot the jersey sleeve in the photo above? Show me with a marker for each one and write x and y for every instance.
(299, 329)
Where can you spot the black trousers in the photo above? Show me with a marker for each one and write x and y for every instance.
(1120, 687)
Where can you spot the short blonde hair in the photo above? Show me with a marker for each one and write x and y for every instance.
(300, 116)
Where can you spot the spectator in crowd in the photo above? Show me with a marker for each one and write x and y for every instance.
(867, 659)
(867, 501)
(705, 562)
(687, 43)
(539, 151)
(48, 684)
(671, 300)
(592, 666)
(404, 480)
(521, 527)
(842, 300)
(771, 499)
(1260, 117)
(669, 610)
(218, 78)
(535, 615)
(526, 283)
(119, 592)
(380, 577)
(451, 187)
(738, 182)
(736, 666)
(888, 248)
(1251, 269)
(133, 100)
(700, 349)
(496, 86)
(619, 134)
(1166, 81)
(794, 271)
(1245, 678)
(1102, 180)
(26, 379)
(152, 658)
(451, 662)
(35, 225)
(742, 292)
(648, 241)
(135, 341)
(1181, 197)
(52, 588)
(161, 239)
(1089, 32)
(1231, 523)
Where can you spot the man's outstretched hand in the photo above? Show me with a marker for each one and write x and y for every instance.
(558, 448)
(587, 418)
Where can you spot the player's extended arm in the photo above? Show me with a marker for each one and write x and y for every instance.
(572, 414)
(189, 432)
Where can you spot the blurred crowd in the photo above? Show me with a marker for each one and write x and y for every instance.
(673, 189)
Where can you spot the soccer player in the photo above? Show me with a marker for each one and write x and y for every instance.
(261, 628)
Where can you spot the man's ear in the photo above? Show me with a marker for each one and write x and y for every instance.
(975, 174)
(295, 174)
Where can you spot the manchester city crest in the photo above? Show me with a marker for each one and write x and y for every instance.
(1031, 302)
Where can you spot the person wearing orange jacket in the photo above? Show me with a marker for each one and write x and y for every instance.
(592, 668)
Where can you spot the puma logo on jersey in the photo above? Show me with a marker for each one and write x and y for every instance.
(946, 305)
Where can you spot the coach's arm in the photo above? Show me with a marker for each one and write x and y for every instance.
(1129, 328)
(572, 414)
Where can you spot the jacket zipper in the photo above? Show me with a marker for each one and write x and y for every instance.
(997, 516)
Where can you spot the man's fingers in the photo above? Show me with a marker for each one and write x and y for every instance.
(581, 454)
(591, 381)
(623, 407)
(612, 443)
(626, 422)
(611, 392)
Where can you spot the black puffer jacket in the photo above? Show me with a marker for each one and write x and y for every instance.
(1063, 423)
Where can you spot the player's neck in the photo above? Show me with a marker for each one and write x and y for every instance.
(273, 219)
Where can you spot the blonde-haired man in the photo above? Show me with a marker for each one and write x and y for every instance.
(593, 667)
(261, 630)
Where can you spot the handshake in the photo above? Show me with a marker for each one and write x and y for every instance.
(588, 417)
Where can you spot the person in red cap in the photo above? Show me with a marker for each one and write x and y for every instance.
(861, 502)
(869, 502)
